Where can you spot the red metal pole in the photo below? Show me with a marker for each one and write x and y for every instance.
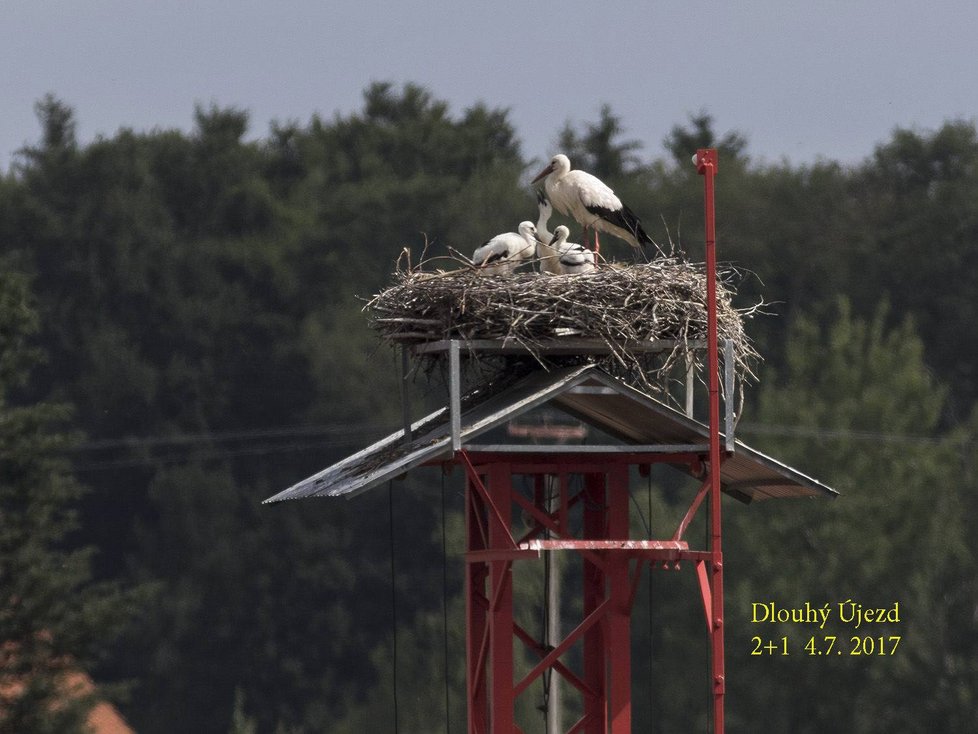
(595, 516)
(618, 635)
(706, 166)
(501, 605)
(476, 607)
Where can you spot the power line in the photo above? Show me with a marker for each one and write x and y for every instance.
(133, 442)
(129, 452)
(847, 434)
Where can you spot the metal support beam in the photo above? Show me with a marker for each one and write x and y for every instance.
(455, 393)
(729, 404)
(405, 397)
(610, 581)
(706, 165)
(595, 707)
(618, 625)
(476, 604)
(502, 693)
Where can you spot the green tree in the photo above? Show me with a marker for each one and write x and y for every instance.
(200, 289)
(683, 142)
(599, 149)
(855, 406)
(53, 619)
(914, 223)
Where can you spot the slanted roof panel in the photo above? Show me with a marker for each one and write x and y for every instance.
(585, 392)
(392, 456)
(637, 418)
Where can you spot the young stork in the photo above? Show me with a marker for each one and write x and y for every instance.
(591, 203)
(546, 210)
(505, 252)
(569, 257)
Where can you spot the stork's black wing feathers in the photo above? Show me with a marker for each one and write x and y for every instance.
(496, 257)
(624, 218)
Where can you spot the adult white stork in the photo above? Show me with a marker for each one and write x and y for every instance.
(591, 203)
(504, 252)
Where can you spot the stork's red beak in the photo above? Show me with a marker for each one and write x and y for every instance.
(543, 173)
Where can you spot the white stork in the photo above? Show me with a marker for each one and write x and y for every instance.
(546, 210)
(565, 258)
(591, 203)
(505, 252)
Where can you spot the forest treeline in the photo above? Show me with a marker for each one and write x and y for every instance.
(182, 337)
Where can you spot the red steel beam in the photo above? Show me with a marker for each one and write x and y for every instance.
(609, 586)
(586, 627)
(541, 650)
(502, 694)
(476, 481)
(594, 584)
(691, 512)
(476, 629)
(618, 623)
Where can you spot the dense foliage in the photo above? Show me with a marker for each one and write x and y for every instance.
(54, 620)
(198, 304)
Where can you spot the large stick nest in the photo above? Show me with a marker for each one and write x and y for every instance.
(624, 307)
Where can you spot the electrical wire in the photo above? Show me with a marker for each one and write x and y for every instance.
(171, 449)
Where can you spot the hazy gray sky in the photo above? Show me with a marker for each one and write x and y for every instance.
(801, 80)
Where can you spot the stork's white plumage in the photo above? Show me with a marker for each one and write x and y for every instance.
(572, 258)
(590, 202)
(546, 211)
(505, 252)
(560, 257)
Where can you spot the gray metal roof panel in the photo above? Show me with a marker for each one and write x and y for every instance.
(586, 392)
(392, 456)
(637, 418)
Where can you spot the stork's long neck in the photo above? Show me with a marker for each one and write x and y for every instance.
(545, 211)
(548, 257)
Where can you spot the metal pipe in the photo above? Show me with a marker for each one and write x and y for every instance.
(405, 398)
(455, 393)
(706, 163)
(728, 395)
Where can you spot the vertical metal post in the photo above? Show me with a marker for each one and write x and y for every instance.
(501, 604)
(405, 398)
(618, 641)
(455, 393)
(476, 608)
(706, 166)
(554, 700)
(595, 515)
(728, 395)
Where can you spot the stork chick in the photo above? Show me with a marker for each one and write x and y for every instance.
(561, 257)
(505, 252)
(572, 258)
